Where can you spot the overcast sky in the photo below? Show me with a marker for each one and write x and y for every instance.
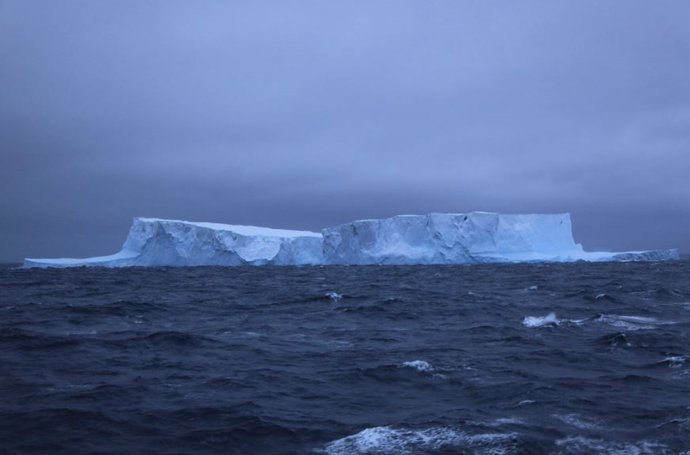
(303, 114)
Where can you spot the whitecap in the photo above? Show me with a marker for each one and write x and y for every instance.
(506, 421)
(577, 321)
(419, 365)
(334, 296)
(526, 402)
(540, 321)
(682, 423)
(338, 344)
(630, 322)
(388, 440)
(577, 421)
(676, 361)
(579, 445)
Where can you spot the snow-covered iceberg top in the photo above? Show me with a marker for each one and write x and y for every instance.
(436, 238)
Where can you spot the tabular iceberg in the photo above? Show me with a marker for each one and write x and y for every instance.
(440, 238)
(155, 242)
(436, 238)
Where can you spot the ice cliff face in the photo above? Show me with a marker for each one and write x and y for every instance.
(166, 242)
(155, 242)
(437, 238)
(440, 238)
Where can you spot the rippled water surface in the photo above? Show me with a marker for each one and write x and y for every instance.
(485, 359)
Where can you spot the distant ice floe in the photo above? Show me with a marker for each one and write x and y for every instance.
(419, 365)
(394, 441)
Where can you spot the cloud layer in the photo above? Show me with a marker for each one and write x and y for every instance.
(305, 114)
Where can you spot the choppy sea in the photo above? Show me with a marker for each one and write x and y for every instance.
(484, 359)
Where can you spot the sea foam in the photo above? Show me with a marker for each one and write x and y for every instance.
(630, 323)
(541, 321)
(419, 365)
(581, 445)
(387, 441)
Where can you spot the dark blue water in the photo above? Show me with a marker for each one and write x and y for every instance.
(486, 359)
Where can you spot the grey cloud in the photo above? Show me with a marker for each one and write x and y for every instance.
(304, 114)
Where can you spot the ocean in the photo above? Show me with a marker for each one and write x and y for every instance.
(578, 358)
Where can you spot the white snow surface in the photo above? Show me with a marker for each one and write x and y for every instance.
(241, 229)
(436, 238)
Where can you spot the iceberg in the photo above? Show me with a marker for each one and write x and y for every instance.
(156, 242)
(440, 238)
(435, 238)
(477, 237)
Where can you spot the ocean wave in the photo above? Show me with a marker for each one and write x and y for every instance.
(577, 445)
(605, 296)
(316, 341)
(675, 361)
(166, 339)
(419, 365)
(334, 296)
(395, 373)
(626, 322)
(681, 423)
(255, 361)
(631, 323)
(28, 340)
(525, 402)
(541, 321)
(578, 421)
(121, 308)
(665, 294)
(394, 441)
(502, 421)
(615, 340)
